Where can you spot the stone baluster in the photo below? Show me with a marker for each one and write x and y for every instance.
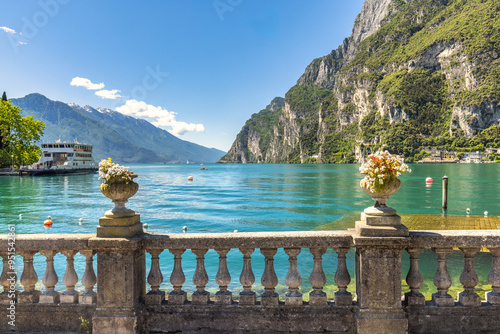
(177, 278)
(200, 278)
(247, 278)
(293, 279)
(223, 278)
(89, 279)
(50, 296)
(8, 280)
(469, 279)
(269, 279)
(70, 278)
(442, 279)
(493, 297)
(414, 280)
(155, 278)
(28, 279)
(342, 278)
(317, 297)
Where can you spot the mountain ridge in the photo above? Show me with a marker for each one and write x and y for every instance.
(412, 74)
(124, 138)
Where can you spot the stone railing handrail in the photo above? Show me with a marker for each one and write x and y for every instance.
(36, 242)
(249, 239)
(455, 238)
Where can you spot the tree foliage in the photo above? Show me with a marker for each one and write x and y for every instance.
(19, 135)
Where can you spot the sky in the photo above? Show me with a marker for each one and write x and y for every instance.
(196, 68)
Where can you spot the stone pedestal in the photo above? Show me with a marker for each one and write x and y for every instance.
(177, 298)
(121, 281)
(155, 297)
(87, 298)
(493, 298)
(119, 227)
(269, 299)
(412, 299)
(379, 243)
(343, 298)
(29, 297)
(223, 298)
(469, 298)
(381, 223)
(50, 297)
(246, 298)
(200, 298)
(318, 299)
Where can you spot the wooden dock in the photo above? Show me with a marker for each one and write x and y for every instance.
(449, 222)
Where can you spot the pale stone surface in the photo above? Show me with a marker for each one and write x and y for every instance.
(318, 300)
(247, 298)
(200, 298)
(88, 298)
(469, 299)
(51, 297)
(123, 227)
(176, 298)
(154, 297)
(271, 300)
(493, 298)
(414, 299)
(442, 300)
(343, 298)
(223, 298)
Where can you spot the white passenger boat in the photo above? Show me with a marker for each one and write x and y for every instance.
(64, 158)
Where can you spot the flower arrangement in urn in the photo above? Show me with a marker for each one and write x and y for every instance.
(382, 170)
(118, 185)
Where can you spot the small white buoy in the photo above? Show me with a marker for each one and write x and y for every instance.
(21, 216)
(486, 213)
(184, 229)
(235, 231)
(190, 178)
(467, 210)
(145, 225)
(80, 221)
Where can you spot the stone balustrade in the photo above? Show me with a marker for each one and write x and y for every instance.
(267, 243)
(378, 296)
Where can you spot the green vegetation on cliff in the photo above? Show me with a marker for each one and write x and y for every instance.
(428, 77)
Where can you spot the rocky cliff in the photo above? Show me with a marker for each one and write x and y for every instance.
(413, 73)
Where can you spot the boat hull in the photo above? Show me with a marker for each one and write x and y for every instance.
(60, 171)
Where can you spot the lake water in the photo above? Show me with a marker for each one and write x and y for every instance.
(247, 198)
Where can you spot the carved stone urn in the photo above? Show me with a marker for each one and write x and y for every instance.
(380, 220)
(381, 196)
(119, 191)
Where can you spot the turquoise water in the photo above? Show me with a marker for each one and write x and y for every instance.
(247, 198)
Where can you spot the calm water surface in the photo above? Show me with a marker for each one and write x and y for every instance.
(247, 198)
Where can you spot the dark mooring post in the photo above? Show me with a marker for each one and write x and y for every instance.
(445, 192)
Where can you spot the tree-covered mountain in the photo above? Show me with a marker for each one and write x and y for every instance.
(123, 138)
(413, 74)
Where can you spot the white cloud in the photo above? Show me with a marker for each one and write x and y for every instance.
(8, 30)
(159, 117)
(111, 94)
(83, 82)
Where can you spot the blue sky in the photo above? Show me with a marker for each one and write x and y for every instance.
(199, 69)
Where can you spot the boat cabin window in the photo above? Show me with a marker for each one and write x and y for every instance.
(44, 145)
(50, 146)
(46, 155)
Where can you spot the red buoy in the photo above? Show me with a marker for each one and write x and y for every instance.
(428, 180)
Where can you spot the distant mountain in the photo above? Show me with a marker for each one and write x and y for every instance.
(413, 74)
(123, 138)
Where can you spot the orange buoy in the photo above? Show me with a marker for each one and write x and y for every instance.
(428, 180)
(48, 221)
(190, 178)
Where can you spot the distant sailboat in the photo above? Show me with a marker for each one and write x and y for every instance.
(187, 162)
